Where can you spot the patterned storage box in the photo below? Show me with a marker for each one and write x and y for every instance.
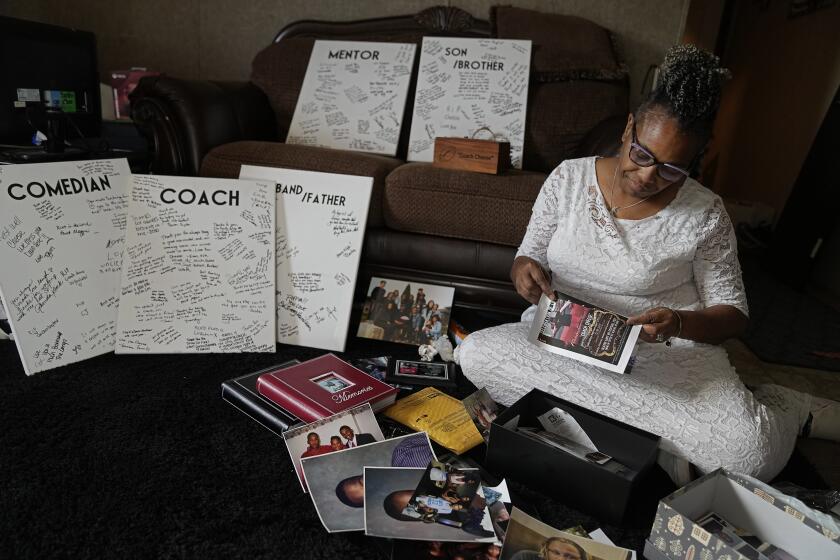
(745, 504)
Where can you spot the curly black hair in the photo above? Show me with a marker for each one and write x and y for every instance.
(689, 89)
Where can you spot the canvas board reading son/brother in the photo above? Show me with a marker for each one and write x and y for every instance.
(465, 85)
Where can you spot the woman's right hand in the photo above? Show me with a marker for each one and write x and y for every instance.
(530, 280)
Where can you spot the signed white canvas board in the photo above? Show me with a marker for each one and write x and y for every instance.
(321, 221)
(465, 85)
(62, 228)
(353, 96)
(198, 270)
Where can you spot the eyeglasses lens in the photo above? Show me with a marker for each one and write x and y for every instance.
(643, 159)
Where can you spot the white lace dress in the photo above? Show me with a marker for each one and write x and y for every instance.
(683, 257)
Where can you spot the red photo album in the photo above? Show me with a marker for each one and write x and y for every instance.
(322, 387)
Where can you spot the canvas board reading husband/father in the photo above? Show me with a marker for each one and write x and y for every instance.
(321, 220)
(62, 232)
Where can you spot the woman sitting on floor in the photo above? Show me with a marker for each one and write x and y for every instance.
(635, 234)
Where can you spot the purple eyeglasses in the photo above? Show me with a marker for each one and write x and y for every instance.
(643, 158)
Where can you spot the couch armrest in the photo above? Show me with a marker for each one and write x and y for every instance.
(184, 119)
(604, 139)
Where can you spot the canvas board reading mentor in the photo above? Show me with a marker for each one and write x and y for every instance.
(405, 312)
(353, 96)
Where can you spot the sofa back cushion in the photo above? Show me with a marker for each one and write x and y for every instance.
(576, 82)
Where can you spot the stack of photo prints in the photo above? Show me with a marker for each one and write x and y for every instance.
(432, 507)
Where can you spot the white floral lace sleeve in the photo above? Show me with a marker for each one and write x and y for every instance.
(544, 219)
(717, 271)
(683, 257)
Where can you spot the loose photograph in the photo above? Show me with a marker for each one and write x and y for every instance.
(483, 410)
(375, 367)
(405, 312)
(437, 550)
(345, 430)
(437, 503)
(579, 330)
(529, 539)
(336, 480)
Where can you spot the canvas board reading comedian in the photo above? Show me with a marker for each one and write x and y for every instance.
(198, 272)
(353, 96)
(62, 227)
(468, 84)
(321, 221)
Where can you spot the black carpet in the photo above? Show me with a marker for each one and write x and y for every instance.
(139, 457)
(787, 326)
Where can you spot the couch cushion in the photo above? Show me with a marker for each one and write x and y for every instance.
(564, 47)
(420, 198)
(576, 82)
(560, 114)
(225, 161)
(279, 70)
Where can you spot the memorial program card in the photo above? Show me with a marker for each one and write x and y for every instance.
(573, 328)
(353, 96)
(468, 84)
(198, 270)
(62, 228)
(321, 220)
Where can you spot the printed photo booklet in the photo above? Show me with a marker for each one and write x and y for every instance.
(584, 332)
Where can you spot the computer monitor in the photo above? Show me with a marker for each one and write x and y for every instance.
(47, 67)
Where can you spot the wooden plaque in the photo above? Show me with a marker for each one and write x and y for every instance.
(469, 154)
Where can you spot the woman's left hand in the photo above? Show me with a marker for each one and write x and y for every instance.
(658, 324)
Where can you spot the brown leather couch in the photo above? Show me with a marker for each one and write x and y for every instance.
(425, 224)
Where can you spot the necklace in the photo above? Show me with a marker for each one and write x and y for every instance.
(614, 209)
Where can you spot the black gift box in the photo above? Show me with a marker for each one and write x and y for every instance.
(582, 484)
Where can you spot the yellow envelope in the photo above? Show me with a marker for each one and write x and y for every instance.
(443, 417)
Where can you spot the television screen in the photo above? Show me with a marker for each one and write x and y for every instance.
(45, 66)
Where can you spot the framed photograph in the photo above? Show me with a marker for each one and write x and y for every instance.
(405, 312)
(411, 372)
